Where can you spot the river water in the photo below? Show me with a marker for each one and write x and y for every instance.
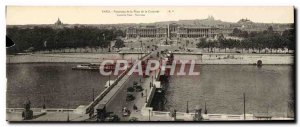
(61, 86)
(268, 89)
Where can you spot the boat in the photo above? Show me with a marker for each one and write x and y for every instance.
(90, 66)
(96, 66)
(108, 67)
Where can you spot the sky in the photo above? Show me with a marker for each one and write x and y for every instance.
(22, 15)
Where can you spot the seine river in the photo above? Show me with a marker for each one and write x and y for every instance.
(61, 86)
(268, 89)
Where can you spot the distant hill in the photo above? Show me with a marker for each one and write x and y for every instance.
(197, 22)
(245, 24)
(208, 22)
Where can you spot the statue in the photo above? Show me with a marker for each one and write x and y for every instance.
(27, 114)
(198, 115)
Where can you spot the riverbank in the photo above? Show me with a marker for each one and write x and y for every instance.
(238, 58)
(63, 58)
(206, 58)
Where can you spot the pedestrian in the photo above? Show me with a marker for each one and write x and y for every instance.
(142, 94)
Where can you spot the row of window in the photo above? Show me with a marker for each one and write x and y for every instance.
(180, 35)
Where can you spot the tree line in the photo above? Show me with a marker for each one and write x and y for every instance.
(48, 38)
(258, 40)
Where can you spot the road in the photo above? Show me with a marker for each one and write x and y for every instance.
(118, 101)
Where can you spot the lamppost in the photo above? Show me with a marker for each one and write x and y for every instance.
(149, 114)
(108, 80)
(175, 114)
(146, 95)
(187, 106)
(152, 81)
(44, 105)
(205, 110)
(68, 117)
(93, 95)
(155, 73)
(244, 106)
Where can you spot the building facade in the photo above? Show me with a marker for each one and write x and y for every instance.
(172, 31)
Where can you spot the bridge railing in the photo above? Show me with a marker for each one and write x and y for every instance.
(159, 113)
(91, 106)
(13, 110)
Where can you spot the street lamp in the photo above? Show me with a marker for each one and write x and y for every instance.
(205, 110)
(146, 95)
(108, 80)
(187, 106)
(152, 81)
(93, 95)
(175, 114)
(44, 105)
(155, 73)
(149, 114)
(244, 106)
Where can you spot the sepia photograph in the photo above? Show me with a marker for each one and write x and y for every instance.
(98, 64)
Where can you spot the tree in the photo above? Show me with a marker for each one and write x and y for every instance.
(290, 36)
(119, 43)
(270, 29)
(236, 31)
(201, 43)
(60, 39)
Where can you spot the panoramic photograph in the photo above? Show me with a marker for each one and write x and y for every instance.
(150, 64)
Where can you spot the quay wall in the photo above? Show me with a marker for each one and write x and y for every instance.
(236, 58)
(69, 57)
(206, 117)
(14, 110)
(205, 58)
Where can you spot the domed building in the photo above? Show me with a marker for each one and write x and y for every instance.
(58, 22)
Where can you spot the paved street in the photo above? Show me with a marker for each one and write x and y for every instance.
(140, 101)
(119, 100)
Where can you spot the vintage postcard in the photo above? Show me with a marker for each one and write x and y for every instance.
(150, 64)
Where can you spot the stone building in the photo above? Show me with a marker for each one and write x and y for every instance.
(172, 31)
